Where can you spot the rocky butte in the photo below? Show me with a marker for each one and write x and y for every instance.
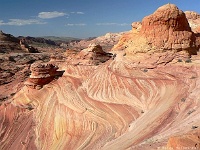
(143, 97)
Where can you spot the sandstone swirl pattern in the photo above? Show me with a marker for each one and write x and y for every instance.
(112, 106)
(136, 99)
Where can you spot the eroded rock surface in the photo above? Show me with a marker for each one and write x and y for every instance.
(166, 29)
(107, 41)
(194, 20)
(41, 74)
(139, 100)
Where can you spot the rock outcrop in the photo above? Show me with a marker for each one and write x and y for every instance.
(9, 43)
(107, 41)
(93, 55)
(194, 20)
(27, 47)
(41, 74)
(136, 26)
(166, 29)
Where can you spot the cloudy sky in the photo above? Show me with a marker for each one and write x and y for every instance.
(78, 18)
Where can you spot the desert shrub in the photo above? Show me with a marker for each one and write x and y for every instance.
(180, 60)
(183, 99)
(145, 70)
(188, 61)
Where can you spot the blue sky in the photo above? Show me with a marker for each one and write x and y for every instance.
(78, 18)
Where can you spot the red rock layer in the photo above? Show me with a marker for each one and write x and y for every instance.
(166, 29)
(188, 141)
(194, 20)
(16, 128)
(111, 106)
(42, 73)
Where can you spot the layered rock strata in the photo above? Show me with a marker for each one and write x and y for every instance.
(166, 29)
(194, 20)
(42, 73)
(93, 55)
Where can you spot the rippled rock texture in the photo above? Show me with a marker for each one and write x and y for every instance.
(110, 106)
(141, 101)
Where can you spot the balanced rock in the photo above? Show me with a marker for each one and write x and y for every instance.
(42, 73)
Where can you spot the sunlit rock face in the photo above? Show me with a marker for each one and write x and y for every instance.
(109, 106)
(166, 29)
(134, 101)
(194, 20)
(41, 74)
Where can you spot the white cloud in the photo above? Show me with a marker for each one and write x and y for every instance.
(78, 24)
(53, 14)
(78, 12)
(21, 22)
(112, 24)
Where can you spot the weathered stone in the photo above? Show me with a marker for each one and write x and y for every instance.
(42, 74)
(166, 29)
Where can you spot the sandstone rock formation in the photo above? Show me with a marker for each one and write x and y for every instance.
(27, 47)
(136, 101)
(166, 29)
(93, 55)
(136, 26)
(15, 62)
(8, 43)
(189, 141)
(194, 20)
(41, 74)
(107, 41)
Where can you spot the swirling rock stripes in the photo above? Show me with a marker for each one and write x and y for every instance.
(110, 106)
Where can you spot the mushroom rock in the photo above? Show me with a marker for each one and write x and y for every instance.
(166, 29)
(41, 74)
